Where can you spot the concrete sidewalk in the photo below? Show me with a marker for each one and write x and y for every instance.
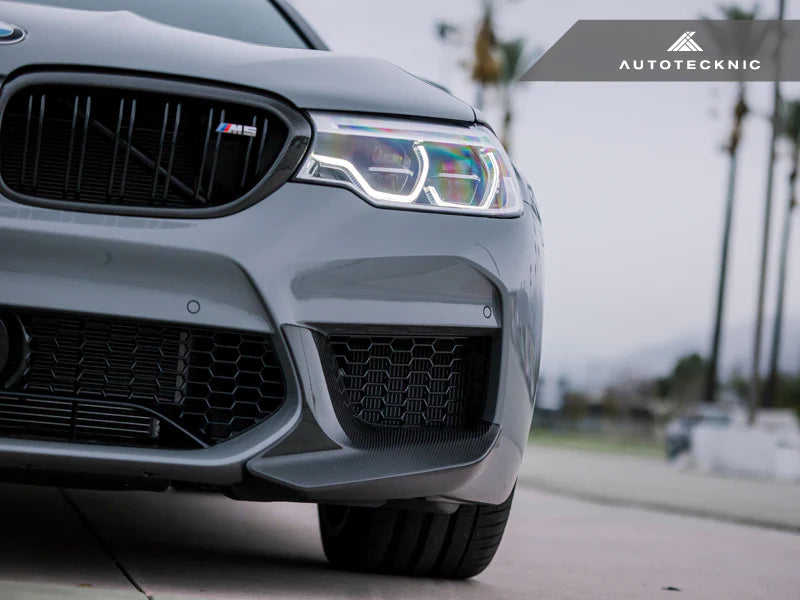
(18, 590)
(79, 545)
(651, 483)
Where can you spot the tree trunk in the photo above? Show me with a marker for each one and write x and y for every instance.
(739, 112)
(755, 381)
(481, 96)
(508, 119)
(774, 361)
(710, 394)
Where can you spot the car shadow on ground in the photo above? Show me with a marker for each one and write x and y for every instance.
(184, 545)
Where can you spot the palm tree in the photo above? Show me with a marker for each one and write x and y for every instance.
(486, 63)
(755, 381)
(739, 46)
(514, 62)
(790, 129)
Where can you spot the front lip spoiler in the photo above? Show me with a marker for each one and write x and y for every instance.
(374, 475)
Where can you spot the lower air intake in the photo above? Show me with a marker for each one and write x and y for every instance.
(93, 378)
(61, 419)
(404, 381)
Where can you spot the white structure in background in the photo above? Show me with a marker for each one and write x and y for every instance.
(550, 393)
(771, 448)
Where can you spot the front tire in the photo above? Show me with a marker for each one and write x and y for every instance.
(407, 542)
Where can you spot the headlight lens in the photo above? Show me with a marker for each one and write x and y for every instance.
(406, 164)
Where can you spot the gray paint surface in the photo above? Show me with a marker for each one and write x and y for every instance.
(310, 79)
(265, 276)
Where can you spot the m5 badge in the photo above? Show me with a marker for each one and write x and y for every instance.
(236, 129)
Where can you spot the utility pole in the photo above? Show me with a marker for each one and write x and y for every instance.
(755, 381)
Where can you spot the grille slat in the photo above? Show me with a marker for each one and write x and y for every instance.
(38, 152)
(71, 145)
(199, 178)
(70, 153)
(214, 384)
(262, 143)
(171, 161)
(216, 157)
(247, 156)
(160, 150)
(86, 120)
(128, 147)
(58, 419)
(117, 130)
(27, 139)
(409, 381)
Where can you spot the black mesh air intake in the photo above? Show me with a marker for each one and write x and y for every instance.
(405, 381)
(212, 384)
(123, 145)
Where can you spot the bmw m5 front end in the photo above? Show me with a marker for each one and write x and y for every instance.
(233, 260)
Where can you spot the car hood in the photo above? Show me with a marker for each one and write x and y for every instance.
(310, 79)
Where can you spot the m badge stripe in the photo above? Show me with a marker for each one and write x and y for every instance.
(237, 129)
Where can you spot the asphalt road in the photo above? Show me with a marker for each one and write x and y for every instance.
(92, 545)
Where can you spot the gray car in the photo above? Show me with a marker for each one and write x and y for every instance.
(234, 261)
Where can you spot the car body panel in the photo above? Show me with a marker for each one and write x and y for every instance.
(309, 79)
(303, 260)
(402, 268)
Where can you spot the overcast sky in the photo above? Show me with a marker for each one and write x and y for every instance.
(630, 177)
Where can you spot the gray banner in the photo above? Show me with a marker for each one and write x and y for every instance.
(700, 50)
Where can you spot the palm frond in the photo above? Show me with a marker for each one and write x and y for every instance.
(511, 56)
(732, 12)
(515, 60)
(790, 121)
(743, 42)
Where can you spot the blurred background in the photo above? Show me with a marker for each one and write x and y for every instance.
(633, 185)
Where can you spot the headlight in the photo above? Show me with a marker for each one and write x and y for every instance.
(407, 164)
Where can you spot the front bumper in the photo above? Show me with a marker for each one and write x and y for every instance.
(307, 258)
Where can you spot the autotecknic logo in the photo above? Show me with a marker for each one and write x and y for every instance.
(697, 50)
(685, 43)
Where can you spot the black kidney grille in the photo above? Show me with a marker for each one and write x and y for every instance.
(117, 147)
(213, 384)
(412, 381)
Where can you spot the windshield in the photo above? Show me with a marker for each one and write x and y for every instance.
(257, 21)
